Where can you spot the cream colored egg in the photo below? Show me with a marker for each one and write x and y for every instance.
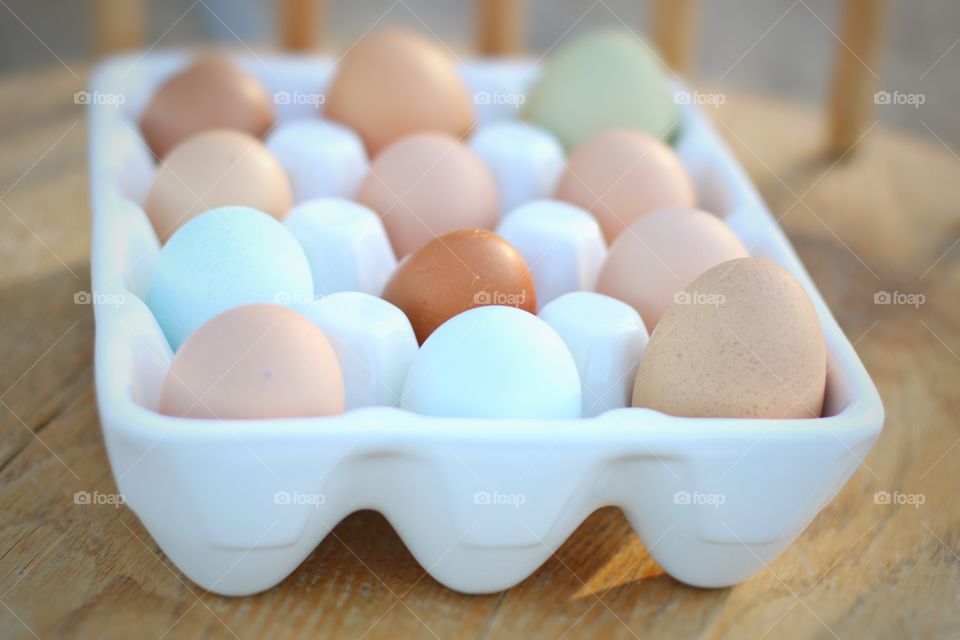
(742, 341)
(660, 254)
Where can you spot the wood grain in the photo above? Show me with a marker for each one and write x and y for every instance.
(882, 219)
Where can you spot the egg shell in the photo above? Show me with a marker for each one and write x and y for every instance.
(494, 362)
(603, 80)
(606, 338)
(322, 159)
(216, 169)
(374, 343)
(222, 259)
(526, 161)
(456, 272)
(562, 244)
(742, 341)
(346, 245)
(426, 185)
(212, 93)
(661, 253)
(621, 175)
(393, 83)
(254, 361)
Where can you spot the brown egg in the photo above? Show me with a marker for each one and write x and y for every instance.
(216, 169)
(744, 341)
(254, 361)
(456, 272)
(211, 94)
(660, 254)
(621, 175)
(393, 83)
(428, 184)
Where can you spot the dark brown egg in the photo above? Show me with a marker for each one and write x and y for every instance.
(456, 272)
(210, 94)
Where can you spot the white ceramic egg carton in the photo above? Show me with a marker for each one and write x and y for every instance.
(238, 505)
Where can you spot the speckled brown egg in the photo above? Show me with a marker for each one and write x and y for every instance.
(212, 93)
(393, 83)
(741, 341)
(428, 184)
(456, 272)
(254, 361)
(213, 169)
(619, 176)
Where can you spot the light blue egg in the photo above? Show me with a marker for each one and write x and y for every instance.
(221, 259)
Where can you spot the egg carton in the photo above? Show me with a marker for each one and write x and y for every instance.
(238, 505)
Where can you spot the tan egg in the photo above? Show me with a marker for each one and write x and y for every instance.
(621, 175)
(456, 272)
(216, 169)
(254, 361)
(393, 83)
(660, 254)
(426, 185)
(743, 341)
(213, 93)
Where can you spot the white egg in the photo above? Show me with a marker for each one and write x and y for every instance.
(526, 161)
(561, 243)
(346, 245)
(607, 339)
(221, 259)
(494, 362)
(374, 343)
(322, 158)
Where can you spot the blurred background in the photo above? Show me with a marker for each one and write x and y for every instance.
(785, 47)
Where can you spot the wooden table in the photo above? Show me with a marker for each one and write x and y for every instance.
(886, 218)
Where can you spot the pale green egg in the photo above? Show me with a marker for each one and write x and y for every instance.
(601, 81)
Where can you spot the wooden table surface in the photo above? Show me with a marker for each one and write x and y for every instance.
(886, 218)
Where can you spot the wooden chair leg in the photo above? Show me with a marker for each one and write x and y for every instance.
(118, 26)
(500, 27)
(854, 80)
(675, 31)
(300, 22)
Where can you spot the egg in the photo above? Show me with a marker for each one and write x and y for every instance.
(606, 338)
(741, 341)
(494, 362)
(456, 272)
(322, 159)
(660, 254)
(345, 243)
(426, 185)
(525, 161)
(601, 81)
(216, 169)
(254, 361)
(210, 94)
(393, 83)
(561, 243)
(222, 259)
(621, 175)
